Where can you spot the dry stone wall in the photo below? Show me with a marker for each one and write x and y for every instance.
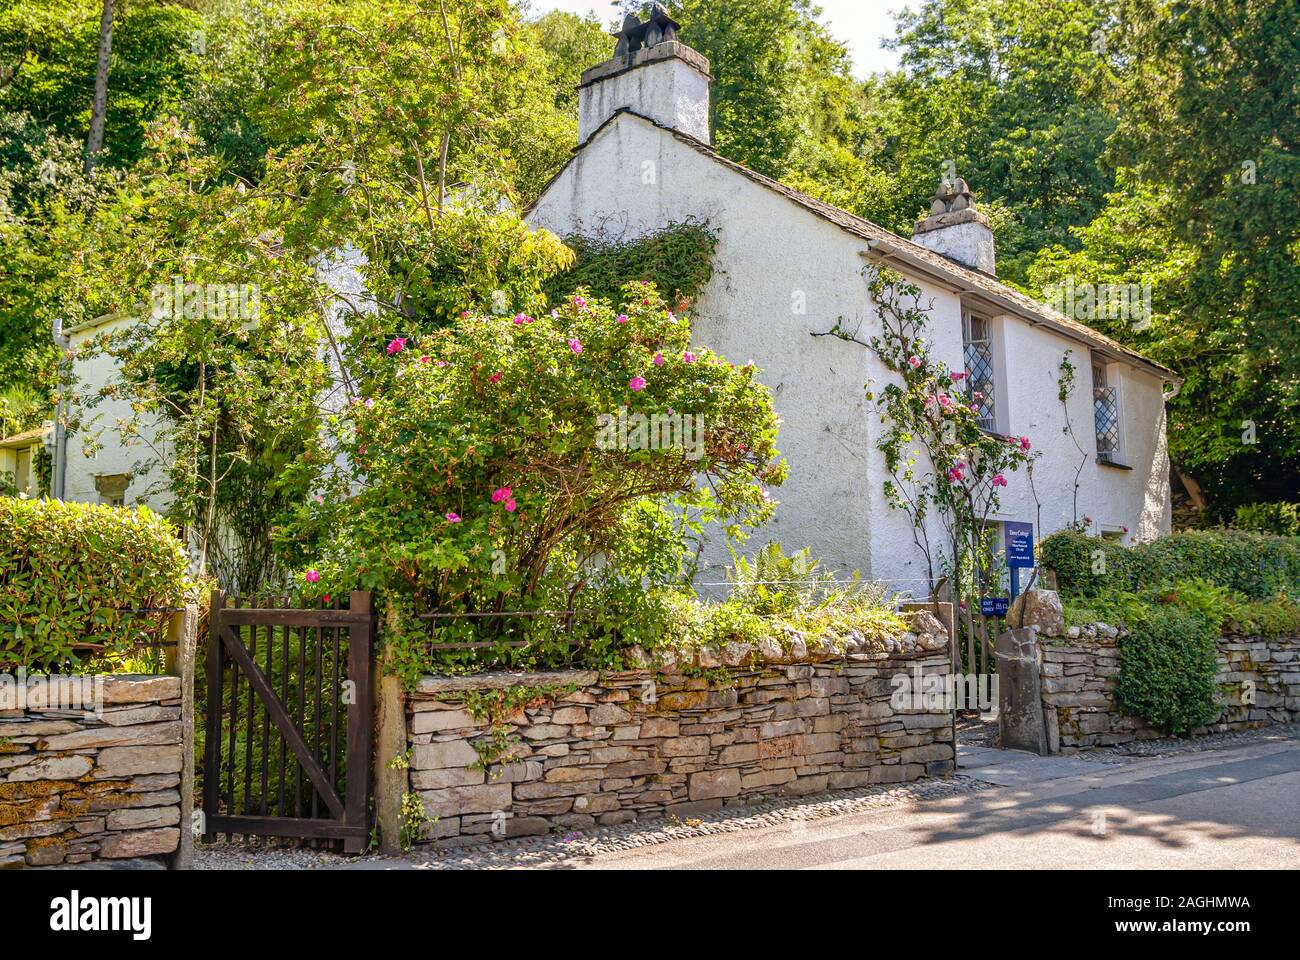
(1258, 681)
(599, 749)
(98, 781)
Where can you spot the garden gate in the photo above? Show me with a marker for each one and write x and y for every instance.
(289, 730)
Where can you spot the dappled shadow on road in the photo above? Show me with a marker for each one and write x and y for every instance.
(1108, 810)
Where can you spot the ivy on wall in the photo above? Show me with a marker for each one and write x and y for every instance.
(678, 260)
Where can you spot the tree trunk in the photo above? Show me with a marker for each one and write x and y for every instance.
(95, 142)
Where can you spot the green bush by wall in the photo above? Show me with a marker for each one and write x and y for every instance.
(1167, 669)
(74, 573)
(1252, 564)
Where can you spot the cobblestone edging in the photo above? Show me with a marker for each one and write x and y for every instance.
(615, 748)
(1258, 684)
(97, 779)
(566, 847)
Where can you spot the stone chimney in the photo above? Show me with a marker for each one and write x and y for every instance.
(956, 229)
(651, 73)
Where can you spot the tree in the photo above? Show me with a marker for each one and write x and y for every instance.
(99, 106)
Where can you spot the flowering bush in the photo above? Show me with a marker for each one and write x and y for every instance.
(541, 463)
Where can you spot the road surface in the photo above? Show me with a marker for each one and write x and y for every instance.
(1231, 809)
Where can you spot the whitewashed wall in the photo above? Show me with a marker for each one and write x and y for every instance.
(771, 251)
(118, 453)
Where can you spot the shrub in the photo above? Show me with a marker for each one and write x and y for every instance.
(1168, 668)
(513, 464)
(1254, 565)
(1278, 517)
(70, 573)
(677, 260)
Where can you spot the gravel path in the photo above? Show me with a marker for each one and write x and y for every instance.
(569, 849)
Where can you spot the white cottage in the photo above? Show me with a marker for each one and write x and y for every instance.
(788, 266)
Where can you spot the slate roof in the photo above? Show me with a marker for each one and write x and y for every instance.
(886, 245)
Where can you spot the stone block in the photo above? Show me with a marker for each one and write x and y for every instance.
(710, 784)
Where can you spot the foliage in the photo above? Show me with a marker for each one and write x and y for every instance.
(414, 820)
(677, 259)
(52, 46)
(1168, 666)
(74, 573)
(775, 583)
(488, 473)
(1278, 517)
(1251, 564)
(781, 82)
(1012, 95)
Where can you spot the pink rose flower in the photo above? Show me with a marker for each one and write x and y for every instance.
(914, 361)
(452, 516)
(659, 360)
(1024, 444)
(519, 318)
(621, 318)
(396, 345)
(501, 493)
(999, 480)
(575, 345)
(313, 576)
(580, 303)
(959, 375)
(495, 378)
(425, 358)
(637, 384)
(510, 505)
(688, 357)
(955, 474)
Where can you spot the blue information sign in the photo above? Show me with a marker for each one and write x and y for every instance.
(1020, 545)
(994, 606)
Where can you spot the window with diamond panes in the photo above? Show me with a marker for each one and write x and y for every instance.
(979, 370)
(1105, 411)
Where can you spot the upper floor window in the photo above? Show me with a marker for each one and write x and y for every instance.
(1106, 414)
(978, 353)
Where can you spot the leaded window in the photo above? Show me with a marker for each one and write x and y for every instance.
(979, 369)
(1105, 411)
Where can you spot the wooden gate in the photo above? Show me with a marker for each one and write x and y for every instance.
(289, 726)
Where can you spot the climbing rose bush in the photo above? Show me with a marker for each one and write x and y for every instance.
(487, 472)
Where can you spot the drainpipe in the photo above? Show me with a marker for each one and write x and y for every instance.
(58, 479)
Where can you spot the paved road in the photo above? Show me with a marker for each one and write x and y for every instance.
(1232, 809)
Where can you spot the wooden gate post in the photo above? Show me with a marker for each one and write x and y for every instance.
(212, 741)
(178, 657)
(392, 778)
(361, 719)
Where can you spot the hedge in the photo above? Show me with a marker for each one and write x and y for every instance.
(1167, 670)
(76, 574)
(1254, 565)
